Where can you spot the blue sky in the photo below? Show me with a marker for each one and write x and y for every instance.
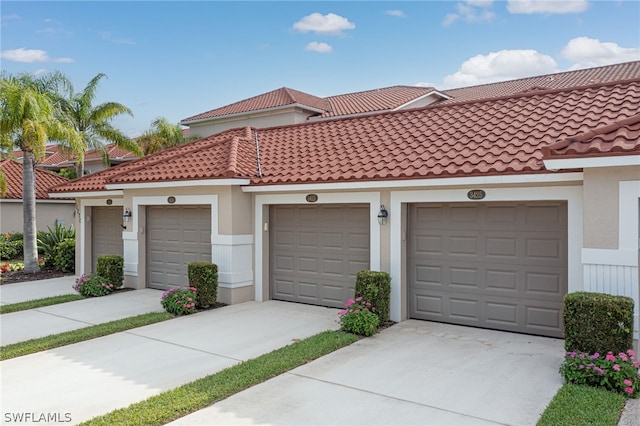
(177, 59)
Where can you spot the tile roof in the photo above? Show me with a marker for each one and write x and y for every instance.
(276, 98)
(621, 137)
(12, 171)
(56, 155)
(488, 137)
(228, 154)
(385, 99)
(562, 80)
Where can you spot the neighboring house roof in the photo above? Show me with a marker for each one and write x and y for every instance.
(385, 99)
(562, 80)
(57, 157)
(12, 171)
(277, 98)
(622, 137)
(486, 137)
(395, 97)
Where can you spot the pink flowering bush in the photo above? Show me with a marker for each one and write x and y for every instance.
(93, 286)
(179, 301)
(358, 317)
(618, 373)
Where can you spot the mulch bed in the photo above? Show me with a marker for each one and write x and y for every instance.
(12, 277)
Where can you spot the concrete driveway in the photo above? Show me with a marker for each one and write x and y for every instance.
(95, 377)
(414, 373)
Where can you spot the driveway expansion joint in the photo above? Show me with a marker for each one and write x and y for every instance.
(302, 376)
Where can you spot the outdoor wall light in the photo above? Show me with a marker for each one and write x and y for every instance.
(382, 215)
(126, 217)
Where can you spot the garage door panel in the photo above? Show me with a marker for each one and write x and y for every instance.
(176, 236)
(317, 251)
(106, 233)
(508, 270)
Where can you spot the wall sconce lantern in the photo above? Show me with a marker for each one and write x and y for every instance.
(383, 215)
(126, 217)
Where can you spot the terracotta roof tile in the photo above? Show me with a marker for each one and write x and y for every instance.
(622, 137)
(487, 137)
(276, 98)
(563, 80)
(385, 99)
(13, 175)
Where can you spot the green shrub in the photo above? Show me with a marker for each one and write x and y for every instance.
(180, 301)
(597, 322)
(359, 317)
(16, 236)
(93, 286)
(49, 240)
(10, 250)
(64, 255)
(111, 267)
(375, 287)
(204, 277)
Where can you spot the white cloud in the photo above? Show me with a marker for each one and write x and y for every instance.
(5, 19)
(470, 11)
(324, 24)
(314, 46)
(547, 6)
(109, 36)
(500, 66)
(39, 71)
(588, 52)
(424, 84)
(397, 13)
(30, 56)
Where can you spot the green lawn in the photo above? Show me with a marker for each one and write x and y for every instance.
(74, 336)
(583, 405)
(39, 303)
(173, 404)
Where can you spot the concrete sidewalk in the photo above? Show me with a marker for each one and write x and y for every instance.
(40, 322)
(31, 290)
(97, 376)
(415, 372)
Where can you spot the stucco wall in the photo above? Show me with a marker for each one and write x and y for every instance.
(601, 204)
(46, 215)
(264, 119)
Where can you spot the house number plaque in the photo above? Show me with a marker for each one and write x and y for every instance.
(476, 194)
(311, 198)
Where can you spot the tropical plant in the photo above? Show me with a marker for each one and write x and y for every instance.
(49, 240)
(29, 118)
(162, 135)
(93, 123)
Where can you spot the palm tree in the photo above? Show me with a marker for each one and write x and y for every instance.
(93, 123)
(29, 117)
(162, 135)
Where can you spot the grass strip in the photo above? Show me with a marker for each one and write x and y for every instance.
(39, 303)
(188, 398)
(74, 336)
(583, 405)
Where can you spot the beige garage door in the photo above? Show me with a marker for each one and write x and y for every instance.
(316, 252)
(106, 233)
(499, 266)
(176, 236)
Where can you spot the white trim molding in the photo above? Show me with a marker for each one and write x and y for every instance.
(571, 194)
(108, 194)
(580, 163)
(261, 201)
(528, 179)
(179, 184)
